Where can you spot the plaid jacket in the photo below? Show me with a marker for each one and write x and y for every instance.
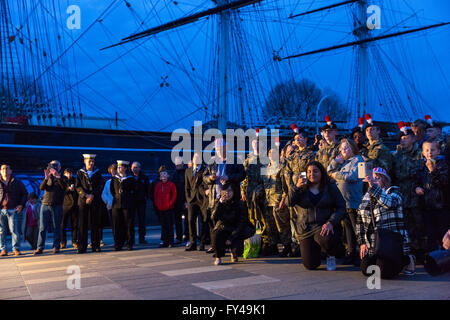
(387, 209)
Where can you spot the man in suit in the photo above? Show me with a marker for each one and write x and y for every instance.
(197, 202)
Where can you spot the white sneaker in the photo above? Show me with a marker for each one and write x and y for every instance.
(217, 262)
(410, 269)
(331, 263)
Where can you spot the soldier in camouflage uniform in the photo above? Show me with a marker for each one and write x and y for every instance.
(377, 154)
(331, 147)
(406, 166)
(253, 193)
(274, 192)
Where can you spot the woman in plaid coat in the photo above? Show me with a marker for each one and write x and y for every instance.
(385, 204)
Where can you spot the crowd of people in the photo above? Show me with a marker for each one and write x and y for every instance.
(322, 201)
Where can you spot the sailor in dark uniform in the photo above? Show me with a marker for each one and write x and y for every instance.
(123, 189)
(89, 185)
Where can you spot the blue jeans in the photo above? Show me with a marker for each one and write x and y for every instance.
(53, 215)
(9, 218)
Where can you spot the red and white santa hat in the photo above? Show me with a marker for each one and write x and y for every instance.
(277, 141)
(294, 128)
(402, 127)
(369, 118)
(429, 120)
(361, 122)
(328, 120)
(257, 132)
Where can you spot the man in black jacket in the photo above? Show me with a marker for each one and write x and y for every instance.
(89, 185)
(178, 179)
(70, 209)
(142, 193)
(13, 197)
(51, 209)
(196, 202)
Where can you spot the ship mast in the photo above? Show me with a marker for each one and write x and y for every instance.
(224, 57)
(362, 34)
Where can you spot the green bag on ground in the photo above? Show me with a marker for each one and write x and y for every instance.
(252, 245)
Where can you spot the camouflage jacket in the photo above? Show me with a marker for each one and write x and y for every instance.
(328, 153)
(253, 181)
(273, 185)
(296, 164)
(379, 156)
(406, 168)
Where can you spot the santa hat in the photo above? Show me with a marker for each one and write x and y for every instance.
(257, 132)
(370, 122)
(405, 129)
(361, 122)
(330, 124)
(294, 128)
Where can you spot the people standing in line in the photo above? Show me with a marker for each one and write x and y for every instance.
(13, 197)
(407, 165)
(331, 144)
(320, 209)
(165, 197)
(123, 188)
(32, 211)
(376, 153)
(228, 216)
(197, 201)
(89, 185)
(383, 202)
(180, 209)
(253, 193)
(70, 209)
(142, 193)
(54, 188)
(433, 190)
(344, 170)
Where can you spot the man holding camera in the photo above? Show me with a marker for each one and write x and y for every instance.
(51, 210)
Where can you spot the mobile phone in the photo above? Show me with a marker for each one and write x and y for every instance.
(363, 170)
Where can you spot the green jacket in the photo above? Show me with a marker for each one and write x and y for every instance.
(406, 167)
(296, 164)
(272, 185)
(379, 156)
(253, 181)
(328, 153)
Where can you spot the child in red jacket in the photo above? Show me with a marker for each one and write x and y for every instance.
(165, 196)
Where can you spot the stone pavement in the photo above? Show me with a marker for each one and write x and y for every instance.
(149, 272)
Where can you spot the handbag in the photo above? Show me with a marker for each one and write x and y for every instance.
(252, 245)
(388, 243)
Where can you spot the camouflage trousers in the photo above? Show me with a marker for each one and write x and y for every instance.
(283, 222)
(257, 212)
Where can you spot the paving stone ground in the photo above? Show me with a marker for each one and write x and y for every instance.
(152, 273)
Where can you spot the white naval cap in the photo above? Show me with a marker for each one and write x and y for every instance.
(121, 163)
(89, 156)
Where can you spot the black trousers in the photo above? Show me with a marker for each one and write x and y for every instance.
(32, 235)
(89, 217)
(311, 248)
(219, 239)
(140, 215)
(388, 269)
(194, 210)
(72, 214)
(437, 223)
(349, 230)
(179, 212)
(123, 227)
(167, 222)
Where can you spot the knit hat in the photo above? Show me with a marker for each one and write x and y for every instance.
(380, 170)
